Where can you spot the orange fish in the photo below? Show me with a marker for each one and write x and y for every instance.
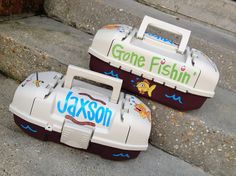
(111, 26)
(142, 110)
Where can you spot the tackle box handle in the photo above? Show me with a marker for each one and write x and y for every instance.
(184, 33)
(115, 83)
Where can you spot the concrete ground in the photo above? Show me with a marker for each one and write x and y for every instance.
(219, 13)
(24, 155)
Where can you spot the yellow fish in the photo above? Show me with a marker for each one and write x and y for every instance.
(144, 86)
(140, 108)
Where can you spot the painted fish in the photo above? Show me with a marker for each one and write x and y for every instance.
(141, 109)
(144, 86)
(111, 26)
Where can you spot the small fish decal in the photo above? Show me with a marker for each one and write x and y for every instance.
(144, 87)
(37, 81)
(111, 26)
(143, 112)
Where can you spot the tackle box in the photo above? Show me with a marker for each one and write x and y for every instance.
(153, 66)
(54, 107)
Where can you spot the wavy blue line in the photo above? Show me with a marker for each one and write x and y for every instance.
(27, 127)
(112, 74)
(121, 155)
(173, 97)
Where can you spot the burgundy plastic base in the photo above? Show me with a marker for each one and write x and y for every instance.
(155, 91)
(104, 151)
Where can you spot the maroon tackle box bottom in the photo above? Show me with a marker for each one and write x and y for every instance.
(148, 88)
(102, 150)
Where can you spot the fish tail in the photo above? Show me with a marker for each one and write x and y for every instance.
(150, 90)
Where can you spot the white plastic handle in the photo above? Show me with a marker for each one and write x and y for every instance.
(115, 83)
(184, 33)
